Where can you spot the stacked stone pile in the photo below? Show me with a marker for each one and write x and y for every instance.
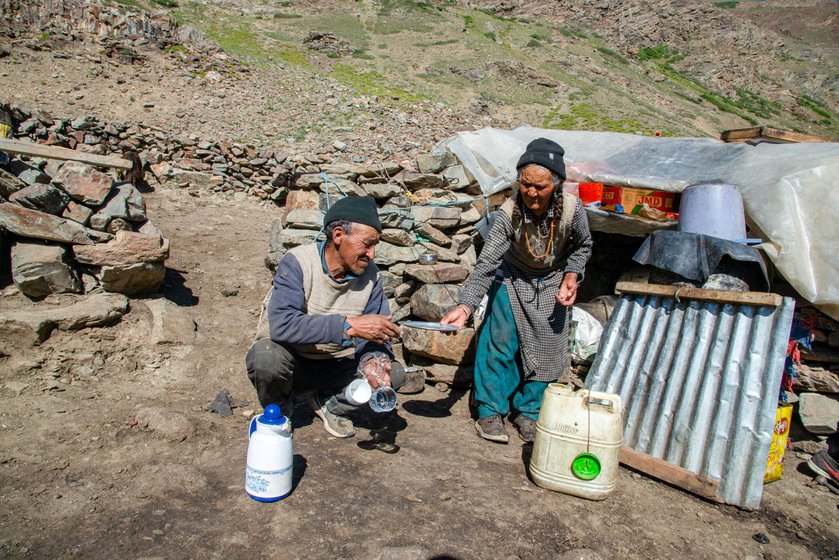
(425, 209)
(70, 228)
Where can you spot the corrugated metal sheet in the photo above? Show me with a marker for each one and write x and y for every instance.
(699, 383)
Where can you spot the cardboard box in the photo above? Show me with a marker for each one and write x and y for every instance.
(630, 201)
(780, 437)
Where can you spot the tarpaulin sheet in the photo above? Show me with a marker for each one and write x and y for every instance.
(790, 191)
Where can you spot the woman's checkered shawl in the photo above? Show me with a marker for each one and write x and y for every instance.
(542, 323)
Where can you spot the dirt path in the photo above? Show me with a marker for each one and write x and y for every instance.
(79, 480)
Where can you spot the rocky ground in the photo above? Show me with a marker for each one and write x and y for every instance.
(108, 449)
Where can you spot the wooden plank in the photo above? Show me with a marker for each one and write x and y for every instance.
(740, 134)
(55, 152)
(670, 473)
(763, 132)
(759, 299)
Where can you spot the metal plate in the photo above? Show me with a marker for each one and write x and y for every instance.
(429, 326)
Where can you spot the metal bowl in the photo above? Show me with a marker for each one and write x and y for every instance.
(428, 258)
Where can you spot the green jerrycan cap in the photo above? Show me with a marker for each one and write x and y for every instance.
(586, 466)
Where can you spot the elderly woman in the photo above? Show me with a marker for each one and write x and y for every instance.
(531, 265)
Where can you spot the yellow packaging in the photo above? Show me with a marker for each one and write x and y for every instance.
(780, 436)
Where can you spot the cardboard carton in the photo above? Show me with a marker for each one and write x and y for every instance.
(630, 201)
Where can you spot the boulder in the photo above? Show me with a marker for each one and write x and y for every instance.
(460, 242)
(437, 216)
(294, 237)
(84, 183)
(435, 235)
(45, 198)
(190, 178)
(303, 200)
(444, 273)
(432, 301)
(819, 413)
(446, 347)
(388, 254)
(381, 191)
(443, 254)
(274, 244)
(415, 181)
(9, 183)
(389, 282)
(127, 248)
(398, 236)
(25, 328)
(457, 177)
(435, 161)
(304, 219)
(124, 202)
(77, 212)
(39, 270)
(402, 292)
(28, 174)
(171, 324)
(40, 225)
(138, 278)
(460, 375)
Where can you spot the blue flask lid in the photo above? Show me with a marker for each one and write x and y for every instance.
(272, 415)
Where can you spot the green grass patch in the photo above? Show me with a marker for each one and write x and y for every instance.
(165, 3)
(756, 104)
(237, 40)
(283, 15)
(534, 43)
(362, 54)
(174, 49)
(129, 3)
(371, 83)
(490, 35)
(612, 54)
(584, 116)
(813, 105)
(431, 44)
(469, 22)
(573, 32)
(659, 52)
(726, 5)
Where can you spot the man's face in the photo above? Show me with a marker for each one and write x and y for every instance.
(356, 249)
(536, 188)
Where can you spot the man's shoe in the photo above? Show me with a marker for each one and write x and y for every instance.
(338, 426)
(526, 427)
(492, 428)
(824, 465)
(414, 382)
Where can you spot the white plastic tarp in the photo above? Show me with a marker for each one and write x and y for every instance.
(790, 191)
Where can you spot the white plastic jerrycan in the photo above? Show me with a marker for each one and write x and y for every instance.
(578, 441)
(270, 456)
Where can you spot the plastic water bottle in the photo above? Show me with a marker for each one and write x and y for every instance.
(383, 399)
(374, 366)
(270, 456)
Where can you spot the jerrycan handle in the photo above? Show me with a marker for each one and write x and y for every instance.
(593, 401)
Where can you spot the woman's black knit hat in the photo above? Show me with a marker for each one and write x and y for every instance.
(546, 153)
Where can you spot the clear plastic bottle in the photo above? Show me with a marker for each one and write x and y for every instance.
(374, 366)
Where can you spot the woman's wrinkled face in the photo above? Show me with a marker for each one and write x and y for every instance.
(536, 188)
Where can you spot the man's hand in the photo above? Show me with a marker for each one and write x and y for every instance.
(376, 368)
(568, 290)
(376, 328)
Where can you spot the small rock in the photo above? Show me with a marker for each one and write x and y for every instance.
(221, 404)
(761, 538)
(230, 293)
